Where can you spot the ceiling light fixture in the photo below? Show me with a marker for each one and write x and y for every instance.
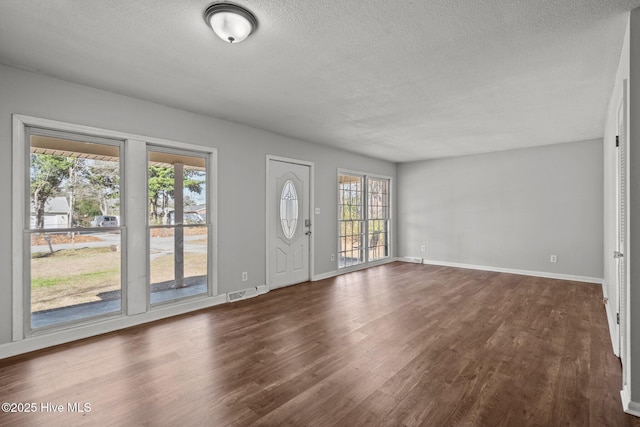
(230, 22)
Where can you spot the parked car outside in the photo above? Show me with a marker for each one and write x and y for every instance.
(104, 221)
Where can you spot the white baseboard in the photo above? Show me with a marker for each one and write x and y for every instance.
(411, 259)
(38, 342)
(346, 270)
(611, 320)
(544, 274)
(326, 275)
(629, 406)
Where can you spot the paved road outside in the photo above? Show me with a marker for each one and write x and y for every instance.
(159, 245)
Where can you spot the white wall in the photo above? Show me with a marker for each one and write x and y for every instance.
(508, 210)
(241, 157)
(633, 255)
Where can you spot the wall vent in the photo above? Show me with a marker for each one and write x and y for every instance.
(240, 295)
(234, 296)
(413, 259)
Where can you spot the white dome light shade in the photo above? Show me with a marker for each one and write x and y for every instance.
(230, 22)
(230, 27)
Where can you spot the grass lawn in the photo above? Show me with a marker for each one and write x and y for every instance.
(74, 276)
(195, 264)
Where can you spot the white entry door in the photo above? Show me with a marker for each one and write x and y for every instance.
(289, 228)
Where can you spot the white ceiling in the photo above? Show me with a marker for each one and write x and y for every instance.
(400, 80)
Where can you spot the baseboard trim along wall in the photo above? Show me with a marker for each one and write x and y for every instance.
(544, 274)
(358, 267)
(630, 407)
(611, 319)
(39, 342)
(327, 275)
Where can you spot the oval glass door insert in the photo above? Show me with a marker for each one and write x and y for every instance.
(289, 209)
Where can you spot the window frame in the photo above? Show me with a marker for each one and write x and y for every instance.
(27, 231)
(207, 155)
(386, 219)
(135, 310)
(362, 235)
(365, 176)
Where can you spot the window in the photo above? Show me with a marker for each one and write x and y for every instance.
(363, 219)
(351, 220)
(177, 225)
(378, 219)
(73, 202)
(289, 209)
(89, 246)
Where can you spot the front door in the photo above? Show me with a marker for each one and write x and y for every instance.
(289, 227)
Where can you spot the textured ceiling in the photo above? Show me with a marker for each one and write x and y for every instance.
(400, 80)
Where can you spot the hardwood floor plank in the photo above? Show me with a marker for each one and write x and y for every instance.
(395, 345)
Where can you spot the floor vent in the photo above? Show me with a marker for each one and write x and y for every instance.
(413, 259)
(244, 294)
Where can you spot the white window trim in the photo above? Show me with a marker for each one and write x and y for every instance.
(136, 295)
(366, 263)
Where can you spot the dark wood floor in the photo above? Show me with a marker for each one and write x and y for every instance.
(400, 344)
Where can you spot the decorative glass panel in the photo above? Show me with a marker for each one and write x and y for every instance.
(289, 209)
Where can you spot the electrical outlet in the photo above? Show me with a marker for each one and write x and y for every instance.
(553, 258)
(423, 248)
(333, 257)
(245, 276)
